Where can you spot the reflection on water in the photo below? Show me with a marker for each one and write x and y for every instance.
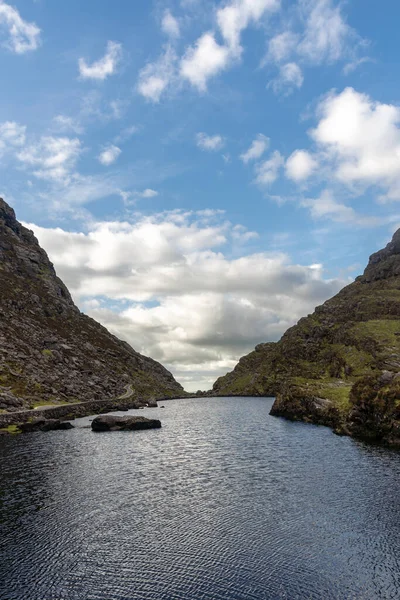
(223, 503)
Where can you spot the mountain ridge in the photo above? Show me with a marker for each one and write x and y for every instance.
(49, 350)
(339, 366)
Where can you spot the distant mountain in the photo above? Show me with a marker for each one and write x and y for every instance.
(49, 350)
(339, 366)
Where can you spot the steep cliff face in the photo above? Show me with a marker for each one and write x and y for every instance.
(341, 365)
(49, 351)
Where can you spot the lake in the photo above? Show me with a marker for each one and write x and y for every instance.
(223, 503)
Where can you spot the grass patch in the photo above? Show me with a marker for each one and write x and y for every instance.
(337, 392)
(13, 429)
(39, 403)
(386, 332)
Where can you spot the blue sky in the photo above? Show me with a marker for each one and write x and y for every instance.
(202, 173)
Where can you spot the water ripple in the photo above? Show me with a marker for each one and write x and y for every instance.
(223, 503)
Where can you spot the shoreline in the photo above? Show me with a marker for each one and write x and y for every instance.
(69, 412)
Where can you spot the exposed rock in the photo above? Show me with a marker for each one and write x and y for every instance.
(339, 366)
(41, 424)
(9, 402)
(49, 350)
(113, 423)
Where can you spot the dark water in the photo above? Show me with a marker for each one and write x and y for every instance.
(224, 502)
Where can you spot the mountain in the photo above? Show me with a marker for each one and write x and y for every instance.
(49, 350)
(339, 366)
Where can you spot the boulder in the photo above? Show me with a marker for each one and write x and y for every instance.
(113, 423)
(42, 424)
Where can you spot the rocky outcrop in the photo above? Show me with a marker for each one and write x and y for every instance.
(112, 423)
(49, 351)
(339, 366)
(41, 424)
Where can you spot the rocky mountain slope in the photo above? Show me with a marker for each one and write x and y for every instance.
(339, 366)
(50, 351)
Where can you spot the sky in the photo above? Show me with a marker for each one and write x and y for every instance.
(202, 173)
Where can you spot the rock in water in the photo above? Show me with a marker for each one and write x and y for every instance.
(339, 366)
(50, 350)
(41, 424)
(112, 423)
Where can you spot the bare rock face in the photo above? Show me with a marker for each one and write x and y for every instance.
(112, 423)
(49, 350)
(385, 263)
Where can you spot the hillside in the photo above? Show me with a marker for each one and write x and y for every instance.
(49, 351)
(339, 366)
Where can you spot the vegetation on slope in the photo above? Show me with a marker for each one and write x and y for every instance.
(318, 367)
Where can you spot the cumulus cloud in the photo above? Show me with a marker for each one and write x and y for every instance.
(300, 165)
(133, 271)
(257, 149)
(23, 36)
(207, 57)
(155, 77)
(204, 60)
(170, 25)
(104, 67)
(238, 15)
(52, 158)
(109, 155)
(360, 140)
(211, 143)
(267, 171)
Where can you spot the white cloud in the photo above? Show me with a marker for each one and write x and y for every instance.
(318, 34)
(327, 36)
(228, 305)
(360, 140)
(155, 77)
(104, 67)
(126, 134)
(238, 15)
(257, 149)
(109, 155)
(206, 59)
(12, 135)
(267, 171)
(242, 235)
(355, 63)
(211, 143)
(118, 108)
(147, 193)
(53, 158)
(170, 25)
(129, 198)
(300, 165)
(290, 77)
(326, 207)
(64, 124)
(281, 47)
(23, 36)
